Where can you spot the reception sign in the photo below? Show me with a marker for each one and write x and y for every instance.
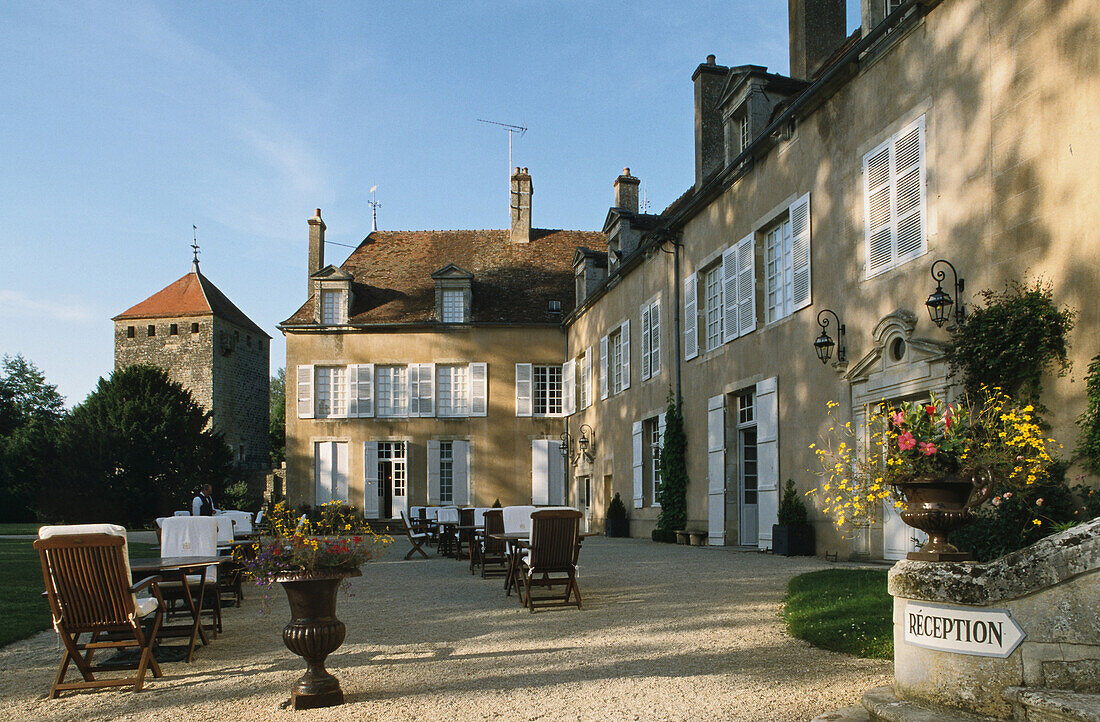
(962, 630)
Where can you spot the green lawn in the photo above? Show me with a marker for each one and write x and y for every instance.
(28, 528)
(843, 610)
(25, 609)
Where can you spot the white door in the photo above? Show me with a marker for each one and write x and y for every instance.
(393, 476)
(898, 537)
(747, 486)
(330, 471)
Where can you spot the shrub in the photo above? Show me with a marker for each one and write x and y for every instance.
(792, 512)
(667, 536)
(1088, 445)
(238, 495)
(674, 477)
(616, 509)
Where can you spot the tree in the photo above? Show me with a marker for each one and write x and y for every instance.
(276, 428)
(137, 448)
(30, 414)
(674, 477)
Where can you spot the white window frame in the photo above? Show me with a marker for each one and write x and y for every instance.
(651, 340)
(331, 392)
(615, 361)
(391, 391)
(584, 381)
(548, 398)
(454, 306)
(778, 271)
(446, 472)
(895, 204)
(334, 307)
(713, 307)
(452, 390)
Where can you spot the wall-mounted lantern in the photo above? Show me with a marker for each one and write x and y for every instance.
(939, 301)
(824, 343)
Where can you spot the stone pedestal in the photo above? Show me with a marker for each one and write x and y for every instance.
(1051, 590)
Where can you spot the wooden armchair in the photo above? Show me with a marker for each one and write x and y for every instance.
(86, 570)
(552, 558)
(493, 551)
(417, 534)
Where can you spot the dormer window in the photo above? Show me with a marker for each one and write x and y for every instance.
(453, 307)
(333, 307)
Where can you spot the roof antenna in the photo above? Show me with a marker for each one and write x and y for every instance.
(645, 199)
(195, 248)
(521, 129)
(374, 206)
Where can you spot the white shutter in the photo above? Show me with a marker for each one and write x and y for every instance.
(800, 253)
(746, 285)
(304, 381)
(691, 319)
(877, 213)
(460, 472)
(479, 389)
(365, 388)
(624, 337)
(524, 385)
(588, 377)
(433, 472)
(322, 473)
(603, 368)
(655, 339)
(638, 458)
(909, 196)
(716, 471)
(645, 342)
(340, 471)
(767, 460)
(352, 384)
(370, 479)
(569, 388)
(555, 471)
(730, 300)
(540, 472)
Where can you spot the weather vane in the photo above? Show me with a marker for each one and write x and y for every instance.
(195, 245)
(374, 206)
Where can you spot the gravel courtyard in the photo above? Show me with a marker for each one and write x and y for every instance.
(667, 633)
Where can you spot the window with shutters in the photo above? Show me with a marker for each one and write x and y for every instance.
(584, 380)
(391, 390)
(651, 340)
(331, 392)
(778, 271)
(615, 361)
(453, 390)
(454, 310)
(894, 200)
(446, 472)
(712, 307)
(547, 391)
(333, 308)
(652, 435)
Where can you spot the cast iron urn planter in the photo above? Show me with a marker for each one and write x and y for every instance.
(314, 633)
(939, 506)
(793, 540)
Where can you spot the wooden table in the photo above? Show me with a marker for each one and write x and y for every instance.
(469, 533)
(177, 568)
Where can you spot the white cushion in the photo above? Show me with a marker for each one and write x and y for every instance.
(190, 536)
(431, 513)
(242, 522)
(145, 605)
(517, 519)
(448, 515)
(47, 532)
(259, 517)
(225, 528)
(181, 513)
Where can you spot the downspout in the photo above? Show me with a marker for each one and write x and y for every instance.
(676, 316)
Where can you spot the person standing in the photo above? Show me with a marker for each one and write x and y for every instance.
(203, 503)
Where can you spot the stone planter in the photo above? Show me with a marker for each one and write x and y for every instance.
(939, 506)
(314, 633)
(793, 540)
(617, 527)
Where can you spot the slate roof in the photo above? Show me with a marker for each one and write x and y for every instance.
(192, 295)
(512, 282)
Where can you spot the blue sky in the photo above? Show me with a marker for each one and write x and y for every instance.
(126, 123)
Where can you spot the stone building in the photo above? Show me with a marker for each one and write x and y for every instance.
(958, 130)
(428, 367)
(213, 349)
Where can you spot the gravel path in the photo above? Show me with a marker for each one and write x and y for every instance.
(667, 633)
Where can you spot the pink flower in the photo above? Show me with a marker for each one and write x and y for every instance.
(906, 441)
(996, 501)
(897, 418)
(927, 448)
(1008, 494)
(948, 417)
(1039, 501)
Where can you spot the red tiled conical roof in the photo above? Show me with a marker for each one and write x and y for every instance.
(192, 295)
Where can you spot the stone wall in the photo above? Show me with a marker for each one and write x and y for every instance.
(1049, 589)
(187, 356)
(241, 361)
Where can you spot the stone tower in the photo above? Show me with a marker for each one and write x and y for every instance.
(208, 345)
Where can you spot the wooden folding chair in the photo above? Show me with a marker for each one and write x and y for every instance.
(493, 551)
(86, 570)
(417, 535)
(551, 559)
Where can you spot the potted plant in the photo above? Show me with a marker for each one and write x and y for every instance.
(937, 461)
(792, 536)
(617, 524)
(311, 559)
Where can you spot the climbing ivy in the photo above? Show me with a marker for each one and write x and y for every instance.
(1088, 446)
(674, 477)
(1010, 342)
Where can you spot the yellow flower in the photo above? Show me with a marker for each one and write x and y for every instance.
(1036, 522)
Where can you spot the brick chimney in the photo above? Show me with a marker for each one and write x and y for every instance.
(522, 190)
(316, 247)
(817, 28)
(626, 191)
(710, 150)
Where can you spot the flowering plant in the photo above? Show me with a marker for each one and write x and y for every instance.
(338, 541)
(924, 441)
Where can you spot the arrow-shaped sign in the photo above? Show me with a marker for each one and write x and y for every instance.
(962, 630)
